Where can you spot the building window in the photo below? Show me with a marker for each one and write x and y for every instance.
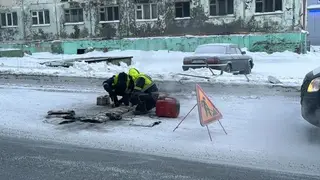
(73, 15)
(40, 17)
(146, 11)
(182, 9)
(221, 7)
(9, 19)
(268, 5)
(110, 13)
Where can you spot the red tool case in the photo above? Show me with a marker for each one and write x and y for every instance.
(168, 107)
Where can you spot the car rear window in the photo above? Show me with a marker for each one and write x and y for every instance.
(211, 49)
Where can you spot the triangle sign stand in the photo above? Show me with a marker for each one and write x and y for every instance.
(208, 113)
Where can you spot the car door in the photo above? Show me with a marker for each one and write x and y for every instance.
(243, 57)
(225, 57)
(236, 64)
(240, 58)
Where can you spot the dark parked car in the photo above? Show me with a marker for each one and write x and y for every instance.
(226, 57)
(310, 97)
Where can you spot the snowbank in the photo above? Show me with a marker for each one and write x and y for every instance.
(288, 67)
(314, 6)
(315, 49)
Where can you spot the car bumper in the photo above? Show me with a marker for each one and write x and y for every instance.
(310, 108)
(212, 66)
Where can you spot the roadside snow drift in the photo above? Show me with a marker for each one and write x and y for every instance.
(290, 68)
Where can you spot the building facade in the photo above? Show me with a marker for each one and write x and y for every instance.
(313, 20)
(26, 20)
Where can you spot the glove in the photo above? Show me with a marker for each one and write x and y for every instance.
(124, 100)
(116, 103)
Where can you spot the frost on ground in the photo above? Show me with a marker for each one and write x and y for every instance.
(288, 67)
(263, 131)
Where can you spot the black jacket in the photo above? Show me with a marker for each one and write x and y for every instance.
(119, 84)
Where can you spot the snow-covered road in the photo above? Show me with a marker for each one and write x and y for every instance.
(263, 131)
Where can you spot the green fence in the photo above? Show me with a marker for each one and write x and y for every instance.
(278, 42)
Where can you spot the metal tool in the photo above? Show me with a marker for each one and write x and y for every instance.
(148, 125)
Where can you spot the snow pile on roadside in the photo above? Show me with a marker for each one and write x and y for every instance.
(315, 49)
(290, 68)
(161, 65)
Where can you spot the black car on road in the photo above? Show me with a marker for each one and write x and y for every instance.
(310, 97)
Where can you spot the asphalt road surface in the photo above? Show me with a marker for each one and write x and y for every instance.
(23, 159)
(274, 136)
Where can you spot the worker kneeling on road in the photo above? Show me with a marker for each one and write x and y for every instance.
(145, 93)
(119, 85)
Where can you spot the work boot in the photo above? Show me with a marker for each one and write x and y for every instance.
(117, 103)
(140, 112)
(124, 101)
(140, 109)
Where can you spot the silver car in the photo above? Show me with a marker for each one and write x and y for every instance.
(226, 57)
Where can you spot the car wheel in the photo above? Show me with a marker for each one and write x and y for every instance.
(185, 68)
(251, 64)
(228, 68)
(249, 67)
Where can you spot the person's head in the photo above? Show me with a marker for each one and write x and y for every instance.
(134, 73)
(122, 81)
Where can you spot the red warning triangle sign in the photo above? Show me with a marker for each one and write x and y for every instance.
(207, 111)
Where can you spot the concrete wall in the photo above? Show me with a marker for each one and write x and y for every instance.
(277, 42)
(295, 42)
(313, 21)
(244, 19)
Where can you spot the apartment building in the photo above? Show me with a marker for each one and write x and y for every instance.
(26, 20)
(313, 20)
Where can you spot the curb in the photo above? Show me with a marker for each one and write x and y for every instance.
(167, 86)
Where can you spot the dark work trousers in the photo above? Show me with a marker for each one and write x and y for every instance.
(146, 102)
(125, 99)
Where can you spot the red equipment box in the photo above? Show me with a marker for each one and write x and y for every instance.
(168, 107)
